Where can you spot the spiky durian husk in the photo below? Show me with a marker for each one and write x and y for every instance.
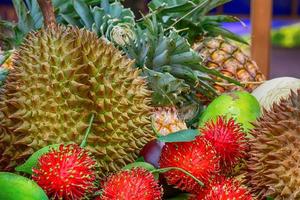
(61, 76)
(273, 166)
(231, 61)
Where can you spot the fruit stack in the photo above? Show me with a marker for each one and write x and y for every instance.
(96, 104)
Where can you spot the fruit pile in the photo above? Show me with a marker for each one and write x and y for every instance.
(96, 104)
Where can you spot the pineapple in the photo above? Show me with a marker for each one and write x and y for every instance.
(230, 60)
(166, 120)
(213, 46)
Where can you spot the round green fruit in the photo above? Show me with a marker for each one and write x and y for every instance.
(15, 187)
(241, 106)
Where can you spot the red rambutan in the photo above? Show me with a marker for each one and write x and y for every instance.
(228, 139)
(197, 157)
(134, 184)
(68, 173)
(223, 188)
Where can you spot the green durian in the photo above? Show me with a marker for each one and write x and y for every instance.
(61, 75)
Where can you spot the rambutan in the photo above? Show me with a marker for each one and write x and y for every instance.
(223, 188)
(68, 173)
(197, 157)
(228, 139)
(134, 184)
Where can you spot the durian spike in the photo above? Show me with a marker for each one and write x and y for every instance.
(48, 13)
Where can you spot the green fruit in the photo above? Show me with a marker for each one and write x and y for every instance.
(15, 187)
(241, 106)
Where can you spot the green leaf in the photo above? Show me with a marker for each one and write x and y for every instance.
(84, 12)
(33, 159)
(140, 159)
(180, 136)
(269, 198)
(184, 196)
(167, 90)
(144, 165)
(216, 31)
(164, 170)
(87, 132)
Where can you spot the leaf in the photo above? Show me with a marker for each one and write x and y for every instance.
(144, 165)
(32, 161)
(140, 159)
(216, 31)
(269, 198)
(180, 136)
(84, 12)
(167, 90)
(183, 196)
(164, 170)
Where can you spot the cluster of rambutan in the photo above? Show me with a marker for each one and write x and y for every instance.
(70, 172)
(210, 158)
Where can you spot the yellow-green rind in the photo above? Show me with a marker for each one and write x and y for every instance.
(61, 76)
(274, 156)
(241, 106)
(15, 187)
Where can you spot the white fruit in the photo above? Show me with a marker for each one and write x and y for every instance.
(273, 90)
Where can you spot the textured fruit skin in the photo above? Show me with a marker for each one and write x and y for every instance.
(166, 120)
(231, 61)
(224, 189)
(241, 106)
(61, 76)
(67, 173)
(228, 139)
(197, 157)
(273, 165)
(15, 187)
(134, 184)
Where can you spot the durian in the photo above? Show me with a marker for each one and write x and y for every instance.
(274, 158)
(61, 75)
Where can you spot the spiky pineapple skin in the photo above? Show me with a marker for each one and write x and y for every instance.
(231, 61)
(273, 164)
(167, 121)
(59, 78)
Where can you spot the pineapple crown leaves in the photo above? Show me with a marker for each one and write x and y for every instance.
(194, 14)
(169, 61)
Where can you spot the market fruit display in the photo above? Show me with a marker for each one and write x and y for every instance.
(60, 77)
(15, 187)
(272, 91)
(134, 184)
(228, 139)
(231, 61)
(241, 106)
(66, 173)
(273, 165)
(97, 104)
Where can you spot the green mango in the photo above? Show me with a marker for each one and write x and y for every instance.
(15, 187)
(241, 106)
